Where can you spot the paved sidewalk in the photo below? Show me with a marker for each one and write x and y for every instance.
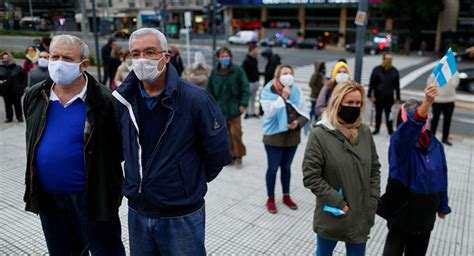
(237, 221)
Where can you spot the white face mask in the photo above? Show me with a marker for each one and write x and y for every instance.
(287, 80)
(147, 70)
(341, 77)
(43, 62)
(64, 73)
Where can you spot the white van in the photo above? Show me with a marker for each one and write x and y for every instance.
(243, 37)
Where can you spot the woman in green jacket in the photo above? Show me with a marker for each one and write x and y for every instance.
(342, 169)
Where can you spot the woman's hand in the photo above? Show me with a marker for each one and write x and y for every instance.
(286, 92)
(293, 125)
(441, 215)
(430, 94)
(345, 209)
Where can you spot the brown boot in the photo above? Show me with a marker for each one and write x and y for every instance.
(287, 200)
(271, 207)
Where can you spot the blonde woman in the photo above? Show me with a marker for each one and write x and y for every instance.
(342, 169)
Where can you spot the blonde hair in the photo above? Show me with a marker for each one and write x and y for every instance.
(280, 67)
(339, 92)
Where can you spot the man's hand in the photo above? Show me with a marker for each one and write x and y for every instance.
(372, 98)
(293, 125)
(286, 92)
(242, 109)
(441, 215)
(430, 93)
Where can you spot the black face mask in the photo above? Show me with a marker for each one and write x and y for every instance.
(349, 114)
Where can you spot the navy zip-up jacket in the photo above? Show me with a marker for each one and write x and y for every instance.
(418, 181)
(192, 149)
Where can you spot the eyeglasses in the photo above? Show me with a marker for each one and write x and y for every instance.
(148, 54)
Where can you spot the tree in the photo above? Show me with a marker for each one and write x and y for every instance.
(413, 15)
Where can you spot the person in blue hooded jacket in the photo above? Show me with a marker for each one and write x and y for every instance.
(284, 115)
(417, 188)
(175, 140)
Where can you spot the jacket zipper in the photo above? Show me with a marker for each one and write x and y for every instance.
(85, 150)
(429, 168)
(163, 134)
(33, 152)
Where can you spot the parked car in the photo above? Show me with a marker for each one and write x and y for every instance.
(243, 37)
(29, 22)
(278, 40)
(466, 80)
(381, 42)
(467, 54)
(311, 43)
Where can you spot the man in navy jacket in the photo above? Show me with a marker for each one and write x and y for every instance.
(175, 140)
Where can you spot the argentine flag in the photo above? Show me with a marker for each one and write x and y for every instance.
(445, 69)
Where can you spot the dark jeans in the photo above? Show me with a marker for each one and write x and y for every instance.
(447, 109)
(415, 244)
(326, 247)
(312, 112)
(183, 235)
(11, 101)
(68, 230)
(387, 108)
(279, 157)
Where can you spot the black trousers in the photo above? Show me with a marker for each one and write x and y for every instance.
(10, 102)
(383, 107)
(447, 109)
(412, 244)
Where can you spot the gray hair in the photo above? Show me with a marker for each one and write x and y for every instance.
(70, 39)
(150, 31)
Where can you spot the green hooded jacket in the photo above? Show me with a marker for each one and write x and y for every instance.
(332, 163)
(231, 90)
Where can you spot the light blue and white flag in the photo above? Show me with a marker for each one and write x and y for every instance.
(445, 69)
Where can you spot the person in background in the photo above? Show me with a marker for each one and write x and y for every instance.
(384, 81)
(198, 72)
(317, 81)
(12, 86)
(176, 59)
(105, 53)
(73, 170)
(124, 69)
(444, 104)
(340, 73)
(341, 167)
(31, 58)
(114, 63)
(250, 66)
(273, 60)
(40, 73)
(285, 114)
(417, 187)
(175, 142)
(44, 44)
(229, 86)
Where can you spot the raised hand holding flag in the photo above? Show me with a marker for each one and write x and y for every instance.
(445, 69)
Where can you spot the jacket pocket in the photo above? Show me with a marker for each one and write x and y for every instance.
(336, 226)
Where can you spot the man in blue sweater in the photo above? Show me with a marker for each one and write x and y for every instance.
(175, 140)
(74, 173)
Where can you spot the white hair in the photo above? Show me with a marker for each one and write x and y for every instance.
(70, 39)
(150, 31)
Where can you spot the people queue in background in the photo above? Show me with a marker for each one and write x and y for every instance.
(341, 166)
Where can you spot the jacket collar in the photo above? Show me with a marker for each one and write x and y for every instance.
(129, 88)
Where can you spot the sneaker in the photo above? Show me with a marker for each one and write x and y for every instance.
(287, 200)
(8, 121)
(447, 142)
(271, 207)
(375, 132)
(246, 116)
(20, 120)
